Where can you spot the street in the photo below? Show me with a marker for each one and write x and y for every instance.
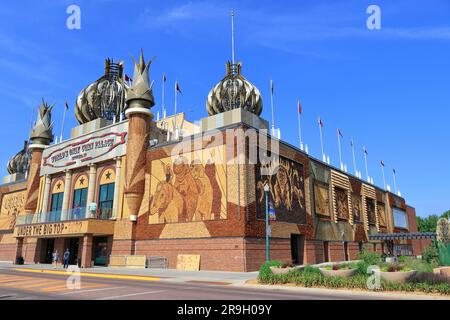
(22, 285)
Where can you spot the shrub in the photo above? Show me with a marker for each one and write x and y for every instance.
(430, 254)
(264, 271)
(311, 269)
(367, 259)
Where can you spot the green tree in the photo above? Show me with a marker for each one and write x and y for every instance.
(428, 224)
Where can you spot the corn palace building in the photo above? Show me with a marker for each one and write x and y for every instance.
(127, 185)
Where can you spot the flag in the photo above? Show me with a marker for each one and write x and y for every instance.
(127, 78)
(340, 133)
(351, 143)
(393, 170)
(382, 163)
(177, 87)
(164, 77)
(299, 107)
(365, 151)
(67, 106)
(271, 87)
(320, 122)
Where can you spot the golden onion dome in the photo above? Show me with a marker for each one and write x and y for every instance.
(233, 92)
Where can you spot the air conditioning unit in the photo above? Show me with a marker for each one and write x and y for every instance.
(133, 218)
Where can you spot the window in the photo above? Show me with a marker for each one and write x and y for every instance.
(400, 218)
(371, 211)
(56, 206)
(106, 200)
(79, 203)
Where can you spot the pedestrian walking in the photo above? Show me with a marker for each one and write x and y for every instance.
(66, 258)
(55, 259)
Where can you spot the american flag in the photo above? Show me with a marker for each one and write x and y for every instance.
(382, 163)
(271, 87)
(365, 151)
(164, 77)
(67, 106)
(127, 78)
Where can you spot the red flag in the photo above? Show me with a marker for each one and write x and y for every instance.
(127, 78)
(299, 107)
(164, 77)
(177, 87)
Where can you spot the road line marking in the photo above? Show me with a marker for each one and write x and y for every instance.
(93, 275)
(64, 287)
(12, 279)
(92, 290)
(40, 283)
(131, 295)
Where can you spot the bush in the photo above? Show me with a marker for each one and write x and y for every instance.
(430, 254)
(367, 259)
(264, 271)
(311, 269)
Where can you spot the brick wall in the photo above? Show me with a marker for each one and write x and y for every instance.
(314, 252)
(336, 251)
(221, 254)
(353, 250)
(7, 252)
(255, 251)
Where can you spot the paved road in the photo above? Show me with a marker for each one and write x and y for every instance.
(24, 285)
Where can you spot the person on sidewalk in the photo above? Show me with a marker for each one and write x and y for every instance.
(66, 258)
(55, 259)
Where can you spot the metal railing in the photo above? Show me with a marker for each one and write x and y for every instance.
(74, 214)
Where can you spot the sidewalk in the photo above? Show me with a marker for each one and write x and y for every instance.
(166, 275)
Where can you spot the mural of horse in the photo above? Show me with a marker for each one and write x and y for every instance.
(167, 202)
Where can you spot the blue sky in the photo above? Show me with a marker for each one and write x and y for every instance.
(387, 88)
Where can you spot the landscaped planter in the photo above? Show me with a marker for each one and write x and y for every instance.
(280, 271)
(398, 276)
(343, 273)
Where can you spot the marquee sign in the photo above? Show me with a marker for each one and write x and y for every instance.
(64, 228)
(95, 147)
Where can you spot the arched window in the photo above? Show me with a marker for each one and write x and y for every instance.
(56, 201)
(106, 193)
(79, 201)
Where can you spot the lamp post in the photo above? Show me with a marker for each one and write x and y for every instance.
(266, 192)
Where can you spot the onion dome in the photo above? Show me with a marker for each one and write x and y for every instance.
(233, 92)
(105, 97)
(19, 163)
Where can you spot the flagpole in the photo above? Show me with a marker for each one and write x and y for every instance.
(300, 126)
(384, 177)
(232, 37)
(321, 140)
(340, 150)
(175, 108)
(62, 125)
(365, 161)
(163, 88)
(271, 103)
(354, 159)
(395, 180)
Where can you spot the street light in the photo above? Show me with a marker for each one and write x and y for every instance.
(266, 192)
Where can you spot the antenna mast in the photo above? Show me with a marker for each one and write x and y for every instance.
(232, 37)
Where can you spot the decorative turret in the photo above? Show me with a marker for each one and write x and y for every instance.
(42, 133)
(40, 137)
(105, 97)
(139, 101)
(233, 92)
(20, 162)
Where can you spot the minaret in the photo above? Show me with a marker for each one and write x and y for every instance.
(139, 101)
(40, 137)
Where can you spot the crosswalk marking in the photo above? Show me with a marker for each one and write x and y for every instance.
(64, 287)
